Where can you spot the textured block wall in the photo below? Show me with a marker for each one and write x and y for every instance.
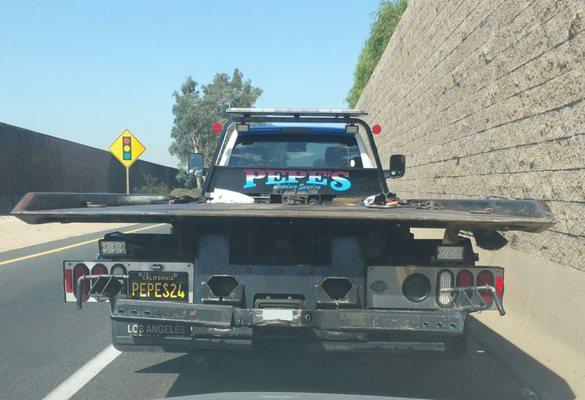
(34, 162)
(485, 98)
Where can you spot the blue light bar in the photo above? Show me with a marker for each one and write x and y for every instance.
(297, 112)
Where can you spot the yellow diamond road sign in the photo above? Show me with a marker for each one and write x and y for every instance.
(127, 148)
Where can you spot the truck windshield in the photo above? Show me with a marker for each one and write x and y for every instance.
(296, 151)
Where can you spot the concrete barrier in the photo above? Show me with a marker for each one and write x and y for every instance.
(485, 98)
(31, 161)
(541, 340)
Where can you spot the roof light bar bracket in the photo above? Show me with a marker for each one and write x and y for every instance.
(297, 112)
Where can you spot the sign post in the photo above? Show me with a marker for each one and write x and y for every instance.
(127, 148)
(127, 180)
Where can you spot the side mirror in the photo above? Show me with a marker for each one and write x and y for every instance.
(195, 163)
(397, 166)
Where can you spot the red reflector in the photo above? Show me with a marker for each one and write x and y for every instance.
(99, 269)
(464, 278)
(500, 287)
(68, 281)
(485, 278)
(78, 271)
(217, 127)
(376, 129)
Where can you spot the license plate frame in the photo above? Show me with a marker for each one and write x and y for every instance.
(150, 285)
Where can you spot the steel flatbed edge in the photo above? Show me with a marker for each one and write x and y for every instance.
(485, 215)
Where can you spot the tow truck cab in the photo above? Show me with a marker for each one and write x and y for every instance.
(331, 281)
(318, 161)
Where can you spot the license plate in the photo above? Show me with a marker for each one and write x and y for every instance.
(167, 286)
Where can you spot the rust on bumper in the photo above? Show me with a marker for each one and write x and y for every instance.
(228, 317)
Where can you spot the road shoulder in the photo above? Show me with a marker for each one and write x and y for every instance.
(17, 234)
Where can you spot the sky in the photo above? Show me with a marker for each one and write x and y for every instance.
(86, 70)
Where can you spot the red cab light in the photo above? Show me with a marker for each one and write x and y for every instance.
(376, 129)
(217, 127)
(485, 278)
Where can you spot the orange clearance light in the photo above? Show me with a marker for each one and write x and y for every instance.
(376, 129)
(217, 127)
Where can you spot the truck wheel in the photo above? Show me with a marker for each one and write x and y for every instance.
(456, 348)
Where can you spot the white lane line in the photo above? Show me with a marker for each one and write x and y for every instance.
(83, 375)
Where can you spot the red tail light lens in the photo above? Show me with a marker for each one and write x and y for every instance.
(78, 271)
(500, 287)
(99, 269)
(464, 278)
(68, 281)
(485, 278)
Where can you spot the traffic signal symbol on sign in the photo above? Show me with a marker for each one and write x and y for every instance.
(127, 148)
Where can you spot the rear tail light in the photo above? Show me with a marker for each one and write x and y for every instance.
(98, 285)
(500, 287)
(78, 271)
(445, 281)
(464, 278)
(485, 278)
(99, 269)
(68, 281)
(118, 269)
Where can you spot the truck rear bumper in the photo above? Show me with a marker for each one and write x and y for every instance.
(145, 325)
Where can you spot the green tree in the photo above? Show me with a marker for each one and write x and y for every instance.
(152, 186)
(198, 107)
(387, 17)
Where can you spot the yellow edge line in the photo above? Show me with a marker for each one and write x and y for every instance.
(71, 246)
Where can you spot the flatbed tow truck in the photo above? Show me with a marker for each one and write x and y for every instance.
(295, 237)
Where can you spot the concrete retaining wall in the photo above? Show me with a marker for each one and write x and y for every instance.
(485, 98)
(31, 161)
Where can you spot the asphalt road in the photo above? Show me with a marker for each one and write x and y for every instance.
(44, 341)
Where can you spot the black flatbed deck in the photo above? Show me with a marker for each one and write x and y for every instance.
(490, 214)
